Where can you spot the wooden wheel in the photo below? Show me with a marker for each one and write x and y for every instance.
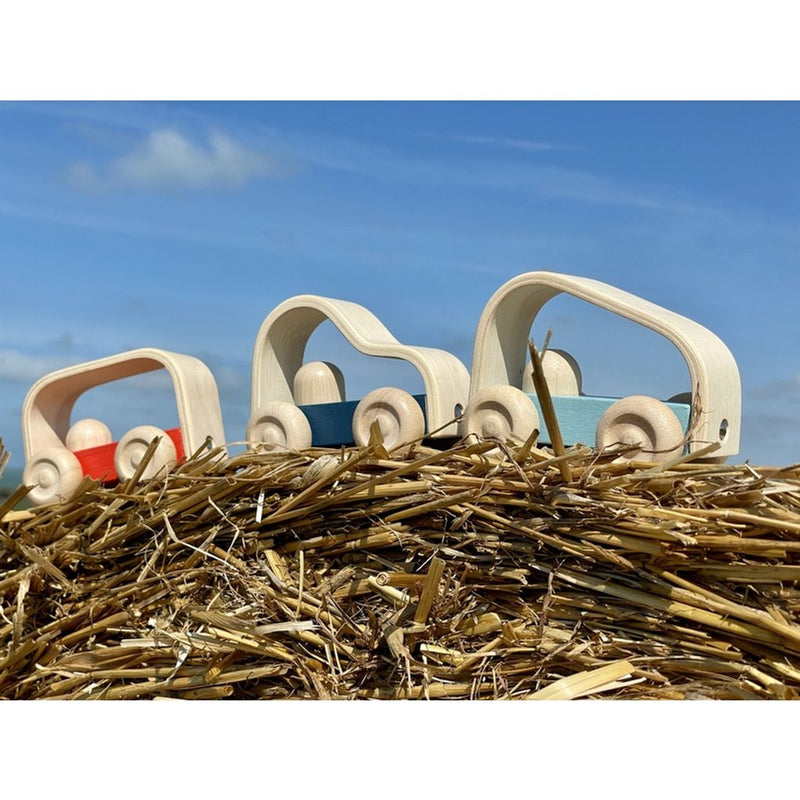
(86, 433)
(498, 412)
(54, 473)
(681, 397)
(645, 421)
(279, 425)
(399, 415)
(561, 371)
(318, 382)
(132, 447)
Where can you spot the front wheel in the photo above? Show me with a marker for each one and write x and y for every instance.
(644, 421)
(54, 473)
(498, 412)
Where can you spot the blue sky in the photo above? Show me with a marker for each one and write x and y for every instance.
(181, 225)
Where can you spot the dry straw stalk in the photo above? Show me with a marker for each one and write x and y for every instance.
(489, 570)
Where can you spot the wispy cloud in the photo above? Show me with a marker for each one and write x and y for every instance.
(139, 228)
(773, 435)
(319, 239)
(385, 164)
(19, 367)
(503, 142)
(778, 389)
(167, 159)
(170, 159)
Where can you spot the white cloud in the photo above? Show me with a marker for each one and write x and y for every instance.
(778, 389)
(167, 159)
(502, 142)
(19, 367)
(387, 165)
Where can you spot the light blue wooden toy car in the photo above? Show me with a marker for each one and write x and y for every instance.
(502, 401)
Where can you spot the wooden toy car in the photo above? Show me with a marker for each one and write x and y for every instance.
(296, 405)
(502, 401)
(59, 454)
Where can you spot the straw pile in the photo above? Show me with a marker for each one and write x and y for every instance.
(4, 458)
(484, 571)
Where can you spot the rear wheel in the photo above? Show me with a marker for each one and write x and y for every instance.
(132, 447)
(86, 433)
(318, 382)
(561, 371)
(279, 425)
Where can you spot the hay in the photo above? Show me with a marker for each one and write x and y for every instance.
(473, 572)
(4, 458)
